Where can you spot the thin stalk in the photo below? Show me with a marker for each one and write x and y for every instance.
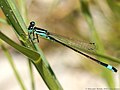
(23, 11)
(89, 19)
(8, 55)
(3, 21)
(12, 14)
(31, 75)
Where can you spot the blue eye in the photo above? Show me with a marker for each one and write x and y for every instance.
(32, 23)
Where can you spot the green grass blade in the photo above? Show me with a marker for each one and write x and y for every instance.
(45, 69)
(46, 73)
(31, 76)
(12, 65)
(89, 19)
(23, 12)
(14, 17)
(3, 21)
(27, 52)
(13, 13)
(115, 7)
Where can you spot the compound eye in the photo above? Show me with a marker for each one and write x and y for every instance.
(32, 23)
(31, 27)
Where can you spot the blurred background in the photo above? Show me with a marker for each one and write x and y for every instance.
(65, 17)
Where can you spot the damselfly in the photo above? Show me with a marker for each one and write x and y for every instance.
(66, 42)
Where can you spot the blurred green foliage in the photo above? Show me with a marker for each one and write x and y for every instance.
(70, 19)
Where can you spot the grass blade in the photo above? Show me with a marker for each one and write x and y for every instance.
(12, 65)
(27, 52)
(89, 19)
(14, 17)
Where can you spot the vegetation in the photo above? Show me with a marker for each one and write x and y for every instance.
(101, 18)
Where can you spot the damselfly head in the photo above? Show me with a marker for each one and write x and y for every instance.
(32, 23)
(31, 26)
